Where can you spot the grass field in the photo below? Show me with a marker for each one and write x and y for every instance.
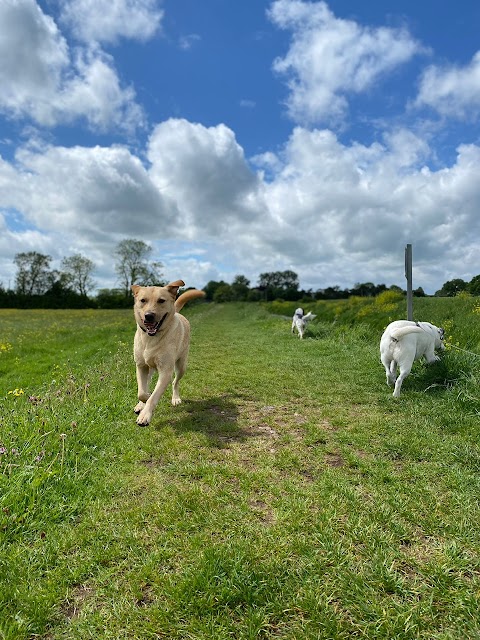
(288, 497)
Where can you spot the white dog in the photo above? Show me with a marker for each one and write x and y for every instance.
(404, 341)
(300, 321)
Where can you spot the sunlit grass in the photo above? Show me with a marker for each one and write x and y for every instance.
(289, 496)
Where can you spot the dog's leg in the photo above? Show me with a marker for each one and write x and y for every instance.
(431, 356)
(144, 375)
(404, 371)
(390, 366)
(392, 373)
(164, 379)
(180, 368)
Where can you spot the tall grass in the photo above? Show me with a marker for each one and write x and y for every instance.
(289, 496)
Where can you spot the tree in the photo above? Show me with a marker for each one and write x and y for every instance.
(240, 288)
(332, 293)
(153, 274)
(474, 286)
(58, 281)
(33, 273)
(365, 289)
(395, 287)
(211, 287)
(79, 271)
(279, 284)
(132, 265)
(452, 287)
(223, 293)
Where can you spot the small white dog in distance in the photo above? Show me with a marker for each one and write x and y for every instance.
(404, 341)
(300, 321)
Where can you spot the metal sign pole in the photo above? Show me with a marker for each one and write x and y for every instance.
(408, 276)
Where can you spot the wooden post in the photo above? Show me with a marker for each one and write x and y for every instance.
(408, 276)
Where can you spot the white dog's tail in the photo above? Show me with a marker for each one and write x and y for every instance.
(191, 294)
(310, 316)
(396, 334)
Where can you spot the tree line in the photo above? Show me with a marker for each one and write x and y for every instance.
(37, 285)
(71, 286)
(284, 285)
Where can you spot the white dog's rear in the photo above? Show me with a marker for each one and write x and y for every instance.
(405, 341)
(300, 321)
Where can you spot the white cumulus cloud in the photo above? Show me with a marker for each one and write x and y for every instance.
(97, 192)
(331, 58)
(205, 170)
(44, 81)
(453, 91)
(105, 21)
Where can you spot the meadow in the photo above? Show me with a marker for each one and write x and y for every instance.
(288, 497)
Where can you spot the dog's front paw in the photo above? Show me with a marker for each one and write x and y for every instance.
(144, 418)
(139, 407)
(176, 400)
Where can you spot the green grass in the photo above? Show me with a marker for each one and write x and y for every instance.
(289, 496)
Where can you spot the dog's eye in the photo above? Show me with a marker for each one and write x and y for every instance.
(143, 300)
(161, 301)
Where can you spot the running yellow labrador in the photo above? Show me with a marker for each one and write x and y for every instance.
(161, 342)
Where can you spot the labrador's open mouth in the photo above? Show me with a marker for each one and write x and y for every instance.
(153, 327)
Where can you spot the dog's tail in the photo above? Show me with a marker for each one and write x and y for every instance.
(396, 334)
(310, 316)
(191, 294)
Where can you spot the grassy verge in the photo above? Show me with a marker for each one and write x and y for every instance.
(289, 496)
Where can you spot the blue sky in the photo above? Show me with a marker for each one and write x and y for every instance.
(243, 137)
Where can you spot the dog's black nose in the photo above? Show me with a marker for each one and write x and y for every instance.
(149, 317)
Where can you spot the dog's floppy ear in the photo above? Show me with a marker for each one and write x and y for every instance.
(441, 331)
(135, 288)
(173, 287)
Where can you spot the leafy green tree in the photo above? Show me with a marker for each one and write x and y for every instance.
(395, 287)
(452, 287)
(211, 287)
(58, 281)
(224, 293)
(133, 266)
(332, 293)
(279, 284)
(79, 271)
(254, 295)
(240, 287)
(366, 289)
(474, 286)
(32, 273)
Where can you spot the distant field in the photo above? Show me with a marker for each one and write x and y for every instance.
(289, 496)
